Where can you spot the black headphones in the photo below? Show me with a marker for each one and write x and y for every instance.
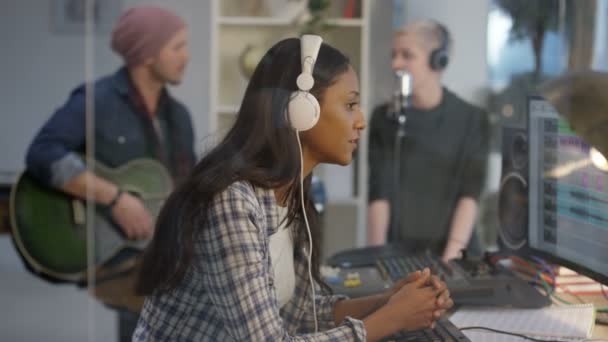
(440, 56)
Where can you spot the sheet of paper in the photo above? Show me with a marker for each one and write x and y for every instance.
(568, 322)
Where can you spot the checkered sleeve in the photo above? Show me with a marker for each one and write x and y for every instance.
(325, 316)
(238, 273)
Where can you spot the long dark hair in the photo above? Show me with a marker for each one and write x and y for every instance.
(260, 148)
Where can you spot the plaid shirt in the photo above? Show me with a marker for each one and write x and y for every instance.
(229, 294)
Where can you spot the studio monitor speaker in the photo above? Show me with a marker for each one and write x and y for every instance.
(513, 194)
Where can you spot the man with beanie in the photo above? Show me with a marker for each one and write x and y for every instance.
(134, 117)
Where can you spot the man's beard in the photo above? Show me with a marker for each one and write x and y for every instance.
(160, 77)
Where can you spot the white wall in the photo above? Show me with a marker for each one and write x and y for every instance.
(39, 67)
(381, 38)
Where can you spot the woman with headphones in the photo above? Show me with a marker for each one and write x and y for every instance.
(235, 251)
(442, 155)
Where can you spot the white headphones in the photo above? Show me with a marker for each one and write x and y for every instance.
(303, 111)
(303, 108)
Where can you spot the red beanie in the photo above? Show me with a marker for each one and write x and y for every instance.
(142, 31)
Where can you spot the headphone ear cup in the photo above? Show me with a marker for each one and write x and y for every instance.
(439, 59)
(303, 111)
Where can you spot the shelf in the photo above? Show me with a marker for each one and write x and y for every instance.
(278, 21)
(254, 21)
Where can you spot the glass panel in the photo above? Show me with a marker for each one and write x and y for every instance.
(78, 122)
(45, 59)
(70, 113)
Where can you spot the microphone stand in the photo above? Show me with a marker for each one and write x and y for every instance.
(395, 218)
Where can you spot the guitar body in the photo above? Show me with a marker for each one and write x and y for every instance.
(50, 227)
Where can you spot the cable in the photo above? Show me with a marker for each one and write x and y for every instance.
(550, 284)
(528, 275)
(546, 266)
(551, 290)
(552, 293)
(548, 269)
(312, 285)
(533, 269)
(526, 268)
(507, 333)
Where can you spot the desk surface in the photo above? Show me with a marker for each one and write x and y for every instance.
(600, 331)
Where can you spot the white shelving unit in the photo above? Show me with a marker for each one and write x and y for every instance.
(232, 31)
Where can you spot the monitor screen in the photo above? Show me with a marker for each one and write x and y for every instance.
(568, 195)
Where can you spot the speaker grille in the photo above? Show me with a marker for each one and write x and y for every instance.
(513, 211)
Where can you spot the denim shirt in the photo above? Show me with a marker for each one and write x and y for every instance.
(122, 132)
(229, 293)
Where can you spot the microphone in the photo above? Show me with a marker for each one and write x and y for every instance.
(401, 95)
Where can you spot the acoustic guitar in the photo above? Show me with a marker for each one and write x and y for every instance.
(50, 227)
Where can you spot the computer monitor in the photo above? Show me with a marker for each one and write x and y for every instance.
(568, 195)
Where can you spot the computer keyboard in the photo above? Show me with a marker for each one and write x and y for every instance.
(444, 331)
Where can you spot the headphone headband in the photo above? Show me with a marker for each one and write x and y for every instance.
(444, 36)
(309, 51)
(303, 107)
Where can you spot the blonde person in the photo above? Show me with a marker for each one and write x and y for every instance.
(442, 156)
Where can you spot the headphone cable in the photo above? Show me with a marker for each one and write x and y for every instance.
(312, 285)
